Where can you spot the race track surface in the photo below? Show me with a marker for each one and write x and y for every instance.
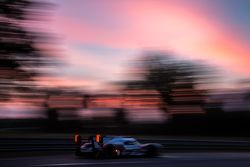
(165, 160)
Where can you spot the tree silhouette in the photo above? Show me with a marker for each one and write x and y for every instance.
(20, 56)
(175, 80)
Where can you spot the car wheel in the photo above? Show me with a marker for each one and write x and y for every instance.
(117, 152)
(152, 151)
(77, 152)
(97, 154)
(113, 152)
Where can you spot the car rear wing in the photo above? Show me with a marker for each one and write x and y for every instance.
(78, 140)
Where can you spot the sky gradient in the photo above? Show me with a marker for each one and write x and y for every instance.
(99, 38)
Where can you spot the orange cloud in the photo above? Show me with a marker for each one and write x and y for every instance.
(84, 84)
(64, 82)
(163, 25)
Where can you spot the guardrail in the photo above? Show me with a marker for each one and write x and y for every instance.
(58, 144)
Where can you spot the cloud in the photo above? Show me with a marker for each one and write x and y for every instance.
(173, 25)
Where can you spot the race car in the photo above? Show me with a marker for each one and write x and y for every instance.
(114, 147)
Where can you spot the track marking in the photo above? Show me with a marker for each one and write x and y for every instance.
(103, 163)
(92, 163)
(169, 156)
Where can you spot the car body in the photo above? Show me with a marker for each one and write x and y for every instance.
(117, 146)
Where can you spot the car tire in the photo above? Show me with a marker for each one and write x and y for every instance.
(77, 152)
(113, 152)
(152, 151)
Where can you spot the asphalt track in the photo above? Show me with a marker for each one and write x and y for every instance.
(165, 160)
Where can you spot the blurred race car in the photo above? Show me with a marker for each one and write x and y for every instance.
(117, 146)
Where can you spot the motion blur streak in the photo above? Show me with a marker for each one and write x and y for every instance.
(93, 163)
(125, 67)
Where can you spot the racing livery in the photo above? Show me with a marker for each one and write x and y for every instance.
(117, 146)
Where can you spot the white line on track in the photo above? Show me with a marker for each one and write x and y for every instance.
(103, 163)
(169, 156)
(92, 163)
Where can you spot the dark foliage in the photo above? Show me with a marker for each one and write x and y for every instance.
(173, 79)
(20, 56)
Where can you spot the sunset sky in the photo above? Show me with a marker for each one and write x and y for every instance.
(99, 38)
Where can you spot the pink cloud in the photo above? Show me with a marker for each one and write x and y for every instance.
(96, 67)
(163, 25)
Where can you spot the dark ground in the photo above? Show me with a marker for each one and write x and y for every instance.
(171, 160)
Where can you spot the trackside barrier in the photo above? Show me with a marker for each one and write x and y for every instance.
(59, 144)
